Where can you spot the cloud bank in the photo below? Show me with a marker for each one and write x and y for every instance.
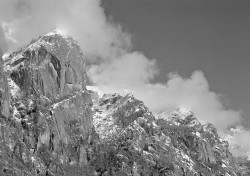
(114, 65)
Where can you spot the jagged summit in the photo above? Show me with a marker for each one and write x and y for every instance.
(55, 59)
(56, 42)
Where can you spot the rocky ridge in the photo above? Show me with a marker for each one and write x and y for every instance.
(155, 145)
(52, 125)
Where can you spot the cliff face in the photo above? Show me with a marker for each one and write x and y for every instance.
(45, 108)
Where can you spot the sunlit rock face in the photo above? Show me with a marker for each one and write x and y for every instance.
(45, 105)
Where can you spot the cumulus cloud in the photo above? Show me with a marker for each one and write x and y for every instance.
(128, 70)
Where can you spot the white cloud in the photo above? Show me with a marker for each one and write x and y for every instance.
(128, 70)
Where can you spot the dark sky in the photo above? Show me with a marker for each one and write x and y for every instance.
(185, 35)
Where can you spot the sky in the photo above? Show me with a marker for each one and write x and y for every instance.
(168, 53)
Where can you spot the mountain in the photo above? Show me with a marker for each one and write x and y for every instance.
(46, 110)
(51, 124)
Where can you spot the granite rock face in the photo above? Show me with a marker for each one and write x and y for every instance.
(46, 116)
(52, 66)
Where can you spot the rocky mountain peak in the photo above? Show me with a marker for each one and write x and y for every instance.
(54, 63)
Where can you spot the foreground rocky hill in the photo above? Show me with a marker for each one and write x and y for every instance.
(52, 125)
